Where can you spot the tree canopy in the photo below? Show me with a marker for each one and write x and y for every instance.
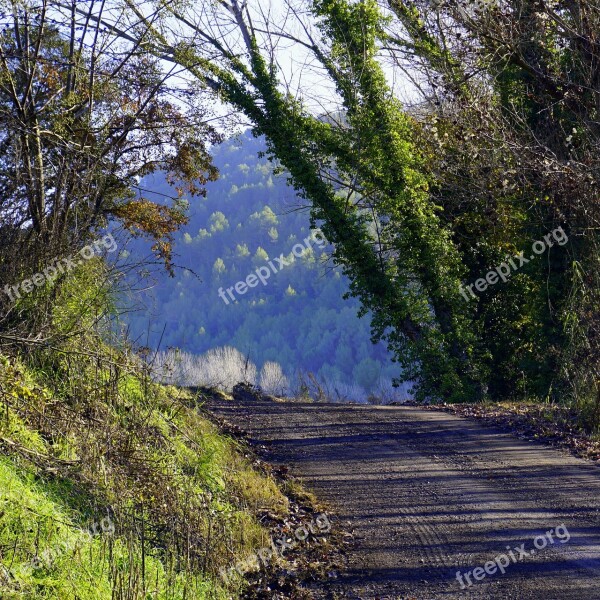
(84, 115)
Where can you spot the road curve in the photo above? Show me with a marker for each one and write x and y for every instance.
(429, 495)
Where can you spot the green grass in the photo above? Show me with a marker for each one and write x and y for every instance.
(79, 441)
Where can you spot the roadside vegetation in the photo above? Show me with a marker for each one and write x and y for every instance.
(111, 485)
(87, 438)
(558, 425)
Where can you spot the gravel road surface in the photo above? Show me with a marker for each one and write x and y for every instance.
(428, 494)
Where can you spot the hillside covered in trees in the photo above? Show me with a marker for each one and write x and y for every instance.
(297, 318)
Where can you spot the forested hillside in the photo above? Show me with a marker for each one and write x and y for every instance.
(297, 318)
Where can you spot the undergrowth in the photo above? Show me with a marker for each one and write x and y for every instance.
(111, 486)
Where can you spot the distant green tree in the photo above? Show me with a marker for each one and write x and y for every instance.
(343, 355)
(219, 267)
(218, 222)
(241, 251)
(266, 218)
(366, 373)
(264, 169)
(308, 257)
(260, 257)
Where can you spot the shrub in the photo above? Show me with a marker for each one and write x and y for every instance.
(218, 368)
(272, 379)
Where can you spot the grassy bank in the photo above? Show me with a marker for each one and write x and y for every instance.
(114, 487)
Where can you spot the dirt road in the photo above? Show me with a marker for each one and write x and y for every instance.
(429, 494)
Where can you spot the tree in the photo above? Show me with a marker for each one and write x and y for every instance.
(242, 251)
(266, 217)
(218, 222)
(272, 379)
(516, 101)
(219, 267)
(82, 117)
(260, 257)
(366, 373)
